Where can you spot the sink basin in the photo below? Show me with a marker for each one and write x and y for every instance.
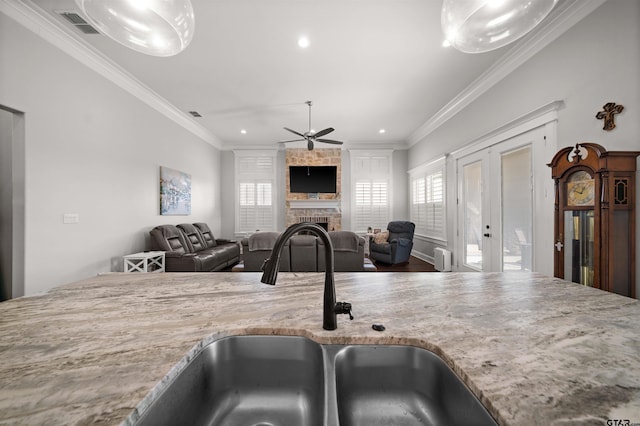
(401, 385)
(287, 380)
(246, 380)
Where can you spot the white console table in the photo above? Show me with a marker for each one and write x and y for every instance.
(147, 261)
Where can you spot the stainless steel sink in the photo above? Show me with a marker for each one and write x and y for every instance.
(401, 385)
(286, 380)
(246, 380)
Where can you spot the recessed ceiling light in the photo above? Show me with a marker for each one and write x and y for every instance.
(381, 131)
(303, 42)
(446, 43)
(243, 131)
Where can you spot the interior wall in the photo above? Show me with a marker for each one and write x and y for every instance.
(228, 194)
(400, 202)
(94, 150)
(595, 62)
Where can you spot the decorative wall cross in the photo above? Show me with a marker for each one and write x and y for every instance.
(610, 109)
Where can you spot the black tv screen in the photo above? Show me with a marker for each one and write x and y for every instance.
(312, 179)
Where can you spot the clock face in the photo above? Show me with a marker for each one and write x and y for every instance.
(580, 189)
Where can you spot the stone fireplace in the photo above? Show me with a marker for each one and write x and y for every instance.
(322, 210)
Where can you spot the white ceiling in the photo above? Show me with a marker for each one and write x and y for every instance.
(371, 64)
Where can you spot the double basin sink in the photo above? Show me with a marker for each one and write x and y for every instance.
(290, 380)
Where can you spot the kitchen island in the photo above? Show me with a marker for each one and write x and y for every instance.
(535, 350)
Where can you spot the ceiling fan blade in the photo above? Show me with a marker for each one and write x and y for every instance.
(293, 140)
(295, 133)
(323, 132)
(329, 141)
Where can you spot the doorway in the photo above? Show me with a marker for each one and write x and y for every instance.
(12, 212)
(495, 217)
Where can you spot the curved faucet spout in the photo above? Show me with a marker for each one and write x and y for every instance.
(271, 266)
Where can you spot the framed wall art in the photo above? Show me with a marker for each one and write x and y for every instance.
(175, 192)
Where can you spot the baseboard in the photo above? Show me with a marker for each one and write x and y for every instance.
(422, 256)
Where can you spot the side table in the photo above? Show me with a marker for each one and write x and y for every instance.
(367, 241)
(146, 261)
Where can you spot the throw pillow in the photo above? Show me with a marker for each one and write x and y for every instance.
(381, 237)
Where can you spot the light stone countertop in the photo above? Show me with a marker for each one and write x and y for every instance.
(535, 350)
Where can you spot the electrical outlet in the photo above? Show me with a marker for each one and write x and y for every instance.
(70, 218)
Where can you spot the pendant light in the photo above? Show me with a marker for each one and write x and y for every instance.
(153, 27)
(475, 26)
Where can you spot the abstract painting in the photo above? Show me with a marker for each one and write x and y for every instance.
(175, 192)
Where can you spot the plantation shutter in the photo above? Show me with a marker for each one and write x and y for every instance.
(371, 205)
(428, 202)
(256, 178)
(435, 204)
(419, 203)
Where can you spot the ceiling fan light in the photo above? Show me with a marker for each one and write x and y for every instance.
(153, 27)
(476, 26)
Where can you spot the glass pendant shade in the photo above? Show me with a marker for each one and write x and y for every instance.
(475, 26)
(153, 27)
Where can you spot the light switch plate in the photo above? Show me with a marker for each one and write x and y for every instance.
(69, 218)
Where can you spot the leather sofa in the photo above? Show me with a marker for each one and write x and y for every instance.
(305, 253)
(193, 248)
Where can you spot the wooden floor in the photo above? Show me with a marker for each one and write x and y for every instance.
(414, 265)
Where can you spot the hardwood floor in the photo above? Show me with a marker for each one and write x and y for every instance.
(414, 265)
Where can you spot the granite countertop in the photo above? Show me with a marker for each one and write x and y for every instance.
(534, 349)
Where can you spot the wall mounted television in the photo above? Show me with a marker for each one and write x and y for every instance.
(305, 179)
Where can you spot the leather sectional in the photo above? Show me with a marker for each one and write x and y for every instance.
(193, 248)
(305, 253)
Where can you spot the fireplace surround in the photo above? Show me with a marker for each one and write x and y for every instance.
(323, 209)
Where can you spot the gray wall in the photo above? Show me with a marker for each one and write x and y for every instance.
(93, 149)
(595, 62)
(400, 185)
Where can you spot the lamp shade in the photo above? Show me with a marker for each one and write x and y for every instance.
(153, 27)
(475, 26)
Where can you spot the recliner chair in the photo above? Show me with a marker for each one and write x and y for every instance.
(398, 247)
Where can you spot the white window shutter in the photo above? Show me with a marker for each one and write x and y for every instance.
(255, 177)
(428, 202)
(371, 189)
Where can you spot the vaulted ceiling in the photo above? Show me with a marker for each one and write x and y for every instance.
(370, 65)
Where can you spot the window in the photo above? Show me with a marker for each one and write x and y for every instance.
(427, 201)
(371, 177)
(255, 175)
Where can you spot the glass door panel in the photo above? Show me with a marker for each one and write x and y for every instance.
(516, 210)
(578, 246)
(472, 199)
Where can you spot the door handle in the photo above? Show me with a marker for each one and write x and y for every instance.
(487, 235)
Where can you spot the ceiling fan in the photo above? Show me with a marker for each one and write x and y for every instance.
(311, 136)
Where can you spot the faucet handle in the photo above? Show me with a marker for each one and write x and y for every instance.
(264, 264)
(343, 308)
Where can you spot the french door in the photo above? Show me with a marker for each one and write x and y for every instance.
(495, 207)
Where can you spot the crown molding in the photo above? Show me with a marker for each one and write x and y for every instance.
(570, 13)
(529, 121)
(34, 19)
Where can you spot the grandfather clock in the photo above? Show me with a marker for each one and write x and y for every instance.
(595, 229)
